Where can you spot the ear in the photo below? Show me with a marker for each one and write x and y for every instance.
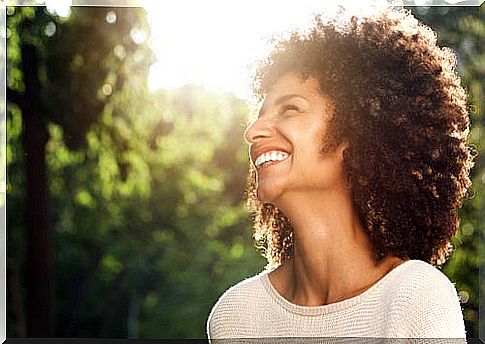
(343, 146)
(342, 150)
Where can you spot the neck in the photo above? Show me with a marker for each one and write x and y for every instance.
(333, 258)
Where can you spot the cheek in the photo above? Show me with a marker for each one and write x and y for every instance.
(325, 169)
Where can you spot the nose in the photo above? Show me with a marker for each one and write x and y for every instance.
(259, 129)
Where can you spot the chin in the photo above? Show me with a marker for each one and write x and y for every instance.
(269, 192)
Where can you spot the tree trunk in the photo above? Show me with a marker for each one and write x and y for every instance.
(39, 283)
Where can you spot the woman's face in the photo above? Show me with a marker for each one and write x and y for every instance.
(286, 143)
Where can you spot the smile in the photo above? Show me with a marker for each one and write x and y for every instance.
(271, 156)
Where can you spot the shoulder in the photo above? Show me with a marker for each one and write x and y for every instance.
(233, 309)
(416, 276)
(424, 303)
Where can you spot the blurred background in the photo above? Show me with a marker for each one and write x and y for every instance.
(126, 165)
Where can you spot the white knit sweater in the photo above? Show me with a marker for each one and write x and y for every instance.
(414, 300)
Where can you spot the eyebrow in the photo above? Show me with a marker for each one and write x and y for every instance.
(281, 100)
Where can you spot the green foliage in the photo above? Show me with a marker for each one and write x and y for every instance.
(169, 235)
(149, 221)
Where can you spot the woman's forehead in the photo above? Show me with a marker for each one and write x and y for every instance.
(293, 84)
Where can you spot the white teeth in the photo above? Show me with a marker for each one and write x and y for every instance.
(270, 156)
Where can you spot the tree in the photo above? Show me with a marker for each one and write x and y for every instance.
(64, 72)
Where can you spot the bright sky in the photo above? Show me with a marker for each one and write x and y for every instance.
(213, 42)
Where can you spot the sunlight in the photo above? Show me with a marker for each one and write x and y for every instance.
(212, 43)
(61, 7)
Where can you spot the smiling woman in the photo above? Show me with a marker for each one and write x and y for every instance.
(291, 125)
(359, 162)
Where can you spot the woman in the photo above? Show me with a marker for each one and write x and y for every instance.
(358, 166)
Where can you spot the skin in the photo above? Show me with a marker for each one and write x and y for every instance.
(333, 258)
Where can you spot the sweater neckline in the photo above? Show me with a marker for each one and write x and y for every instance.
(332, 307)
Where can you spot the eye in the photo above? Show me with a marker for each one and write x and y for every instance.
(289, 108)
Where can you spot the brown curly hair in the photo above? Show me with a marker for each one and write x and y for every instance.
(399, 104)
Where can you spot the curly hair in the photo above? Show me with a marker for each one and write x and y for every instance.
(399, 104)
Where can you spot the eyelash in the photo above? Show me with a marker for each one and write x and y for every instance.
(289, 108)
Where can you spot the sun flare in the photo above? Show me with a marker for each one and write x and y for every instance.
(213, 43)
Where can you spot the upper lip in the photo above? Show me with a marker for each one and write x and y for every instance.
(255, 151)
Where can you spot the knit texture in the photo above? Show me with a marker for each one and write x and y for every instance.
(414, 300)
